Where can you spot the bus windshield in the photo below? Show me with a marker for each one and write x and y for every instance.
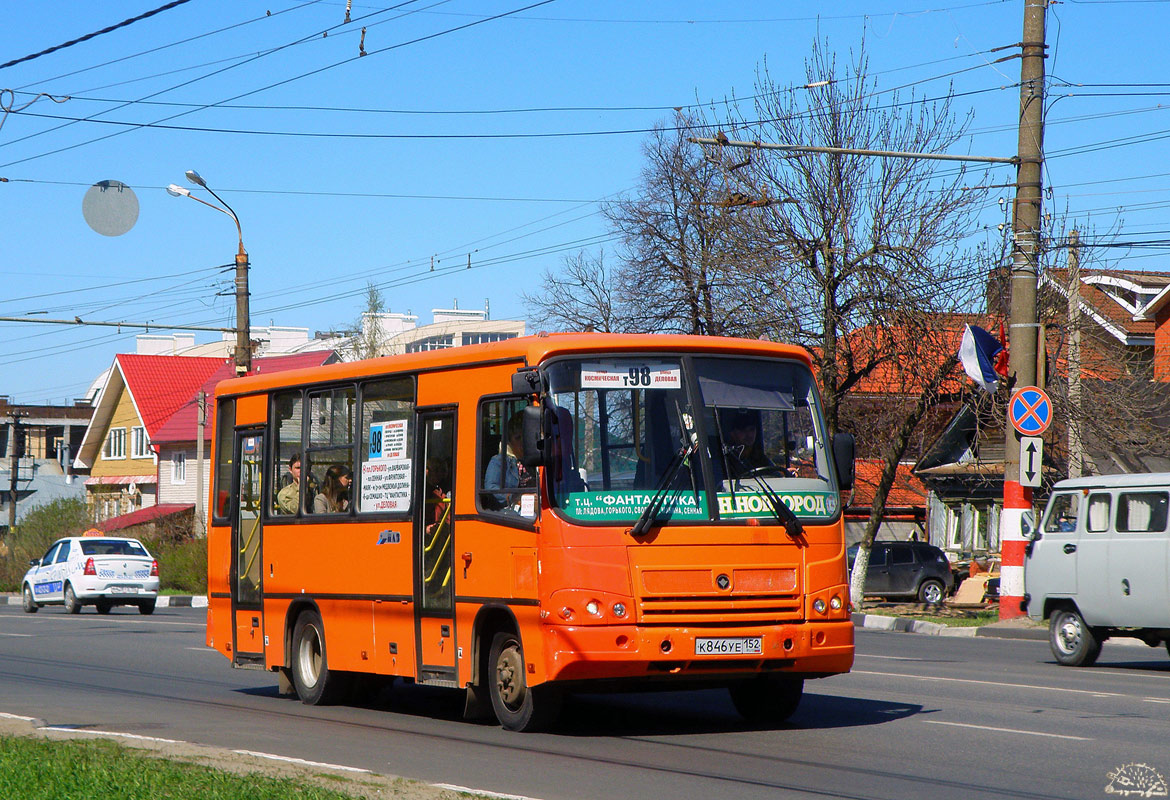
(747, 429)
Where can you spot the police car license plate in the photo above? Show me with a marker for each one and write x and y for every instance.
(729, 646)
(123, 590)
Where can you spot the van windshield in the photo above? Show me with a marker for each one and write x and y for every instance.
(746, 429)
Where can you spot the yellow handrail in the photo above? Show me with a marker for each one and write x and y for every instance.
(438, 561)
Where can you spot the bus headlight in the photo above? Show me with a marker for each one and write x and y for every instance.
(593, 608)
(835, 603)
(619, 610)
(819, 606)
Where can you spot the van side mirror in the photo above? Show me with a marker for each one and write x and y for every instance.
(843, 457)
(537, 442)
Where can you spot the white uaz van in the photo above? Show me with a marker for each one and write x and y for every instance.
(1096, 566)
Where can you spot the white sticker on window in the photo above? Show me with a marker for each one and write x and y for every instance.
(386, 485)
(388, 440)
(630, 375)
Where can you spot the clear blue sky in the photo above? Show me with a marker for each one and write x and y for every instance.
(459, 134)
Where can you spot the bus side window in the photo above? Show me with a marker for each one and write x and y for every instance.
(505, 485)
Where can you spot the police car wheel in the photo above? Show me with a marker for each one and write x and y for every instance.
(71, 603)
(30, 605)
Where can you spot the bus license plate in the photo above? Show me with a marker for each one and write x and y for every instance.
(729, 646)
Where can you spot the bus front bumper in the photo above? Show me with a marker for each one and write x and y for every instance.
(585, 653)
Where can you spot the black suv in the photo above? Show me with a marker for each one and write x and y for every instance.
(907, 569)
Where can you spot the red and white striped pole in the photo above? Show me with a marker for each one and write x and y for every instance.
(1017, 500)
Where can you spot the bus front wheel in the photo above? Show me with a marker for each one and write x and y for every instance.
(518, 706)
(768, 698)
(314, 682)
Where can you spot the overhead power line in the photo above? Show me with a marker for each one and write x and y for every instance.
(89, 36)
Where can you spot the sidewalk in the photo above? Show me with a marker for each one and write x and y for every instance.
(1022, 628)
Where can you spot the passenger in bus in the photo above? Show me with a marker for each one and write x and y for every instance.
(506, 470)
(290, 486)
(334, 495)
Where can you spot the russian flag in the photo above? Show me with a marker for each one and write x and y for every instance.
(982, 357)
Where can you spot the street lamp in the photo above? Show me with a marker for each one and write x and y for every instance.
(243, 354)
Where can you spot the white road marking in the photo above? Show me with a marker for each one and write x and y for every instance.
(16, 634)
(997, 684)
(480, 792)
(1156, 700)
(114, 734)
(1007, 730)
(17, 716)
(302, 761)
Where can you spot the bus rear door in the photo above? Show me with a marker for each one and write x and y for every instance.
(434, 593)
(247, 575)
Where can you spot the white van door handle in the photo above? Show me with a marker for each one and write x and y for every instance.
(1070, 548)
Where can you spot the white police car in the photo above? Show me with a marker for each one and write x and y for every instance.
(103, 571)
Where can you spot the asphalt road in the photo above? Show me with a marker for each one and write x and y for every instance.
(919, 717)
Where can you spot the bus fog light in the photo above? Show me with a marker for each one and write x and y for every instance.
(819, 606)
(835, 603)
(619, 610)
(594, 608)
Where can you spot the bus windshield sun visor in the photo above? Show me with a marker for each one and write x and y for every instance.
(740, 395)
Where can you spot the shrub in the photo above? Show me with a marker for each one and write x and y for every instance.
(40, 527)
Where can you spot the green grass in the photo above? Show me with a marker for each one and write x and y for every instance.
(39, 769)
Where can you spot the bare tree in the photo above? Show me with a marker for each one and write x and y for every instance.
(368, 339)
(678, 268)
(869, 257)
(862, 260)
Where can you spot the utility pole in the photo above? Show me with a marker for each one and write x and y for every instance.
(1024, 328)
(16, 450)
(201, 412)
(1076, 456)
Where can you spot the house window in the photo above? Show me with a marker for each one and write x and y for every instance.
(178, 468)
(115, 443)
(484, 338)
(140, 442)
(431, 343)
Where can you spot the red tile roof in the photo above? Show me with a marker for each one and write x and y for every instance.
(183, 423)
(160, 385)
(907, 492)
(148, 514)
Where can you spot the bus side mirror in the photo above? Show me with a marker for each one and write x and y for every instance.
(843, 458)
(536, 441)
(526, 381)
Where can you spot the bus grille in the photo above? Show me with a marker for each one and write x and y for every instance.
(726, 594)
(684, 610)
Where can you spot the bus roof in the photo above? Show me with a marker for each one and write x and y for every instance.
(525, 350)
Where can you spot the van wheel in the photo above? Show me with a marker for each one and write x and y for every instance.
(315, 683)
(931, 592)
(1072, 641)
(31, 606)
(518, 706)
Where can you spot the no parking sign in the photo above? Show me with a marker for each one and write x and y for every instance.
(1030, 411)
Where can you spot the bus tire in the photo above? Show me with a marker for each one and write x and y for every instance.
(768, 698)
(518, 706)
(314, 682)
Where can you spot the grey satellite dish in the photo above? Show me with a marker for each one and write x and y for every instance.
(110, 208)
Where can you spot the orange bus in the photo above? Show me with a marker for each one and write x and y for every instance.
(566, 512)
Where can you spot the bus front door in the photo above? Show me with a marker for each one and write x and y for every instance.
(434, 585)
(247, 575)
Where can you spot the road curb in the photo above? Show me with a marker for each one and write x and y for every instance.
(909, 625)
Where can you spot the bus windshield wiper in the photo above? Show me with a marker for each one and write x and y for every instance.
(642, 526)
(792, 524)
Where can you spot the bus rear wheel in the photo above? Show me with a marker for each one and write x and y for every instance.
(518, 706)
(314, 682)
(768, 698)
